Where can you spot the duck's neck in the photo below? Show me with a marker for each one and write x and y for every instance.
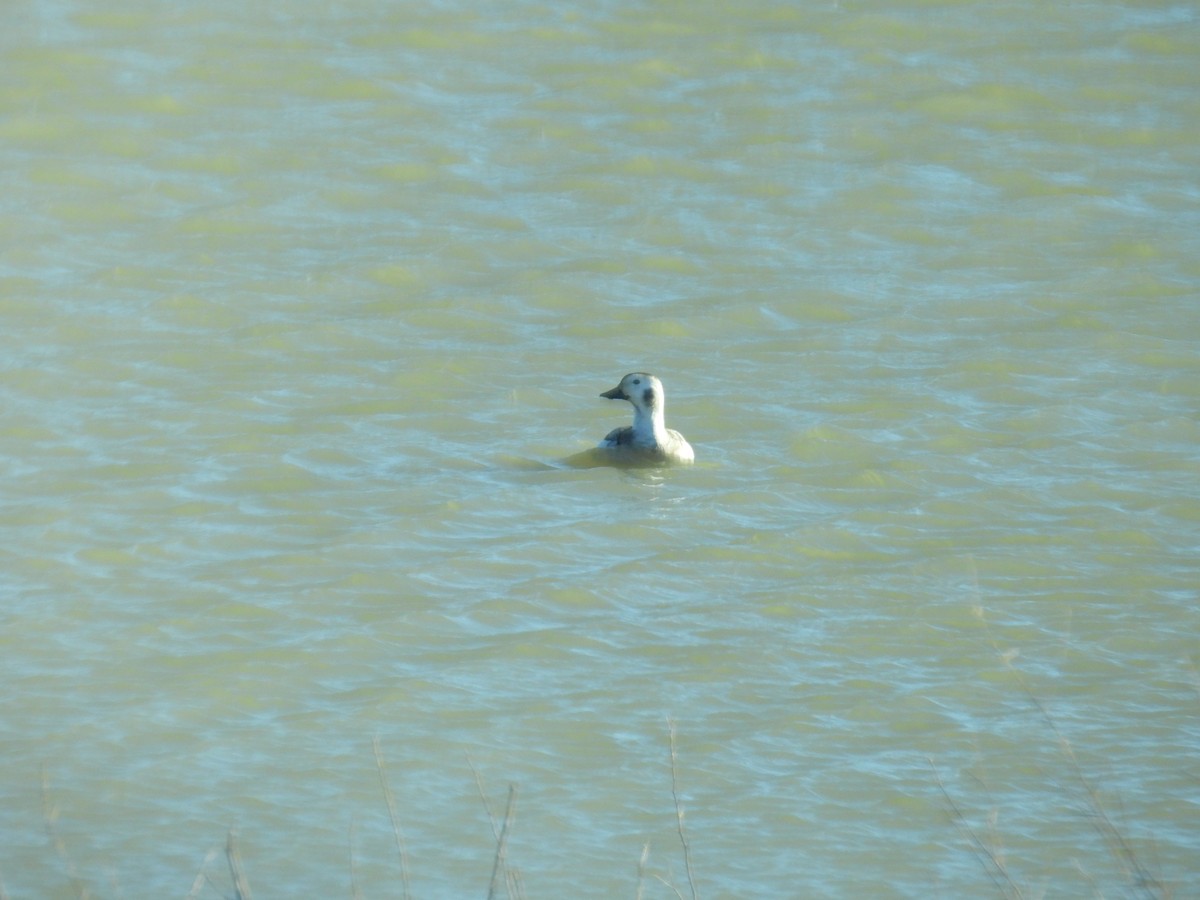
(649, 425)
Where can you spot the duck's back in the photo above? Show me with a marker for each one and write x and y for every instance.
(674, 449)
(677, 448)
(618, 437)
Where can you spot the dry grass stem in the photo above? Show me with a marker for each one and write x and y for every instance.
(498, 863)
(1143, 881)
(512, 877)
(641, 882)
(687, 849)
(674, 889)
(487, 806)
(989, 857)
(233, 855)
(1119, 847)
(201, 876)
(512, 880)
(390, 799)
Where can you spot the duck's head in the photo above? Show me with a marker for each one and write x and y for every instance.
(643, 390)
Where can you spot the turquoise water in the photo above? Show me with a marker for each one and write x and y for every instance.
(303, 306)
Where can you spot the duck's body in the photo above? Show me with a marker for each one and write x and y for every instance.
(648, 438)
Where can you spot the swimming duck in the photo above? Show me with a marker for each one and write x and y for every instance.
(648, 437)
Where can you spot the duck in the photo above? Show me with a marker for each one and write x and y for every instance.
(648, 439)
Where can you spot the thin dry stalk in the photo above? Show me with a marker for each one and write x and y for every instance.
(687, 849)
(641, 882)
(202, 876)
(498, 863)
(50, 817)
(512, 877)
(992, 862)
(233, 855)
(1119, 848)
(390, 799)
(674, 889)
(512, 881)
(487, 806)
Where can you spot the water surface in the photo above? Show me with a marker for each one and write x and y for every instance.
(303, 305)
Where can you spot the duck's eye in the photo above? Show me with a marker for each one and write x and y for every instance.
(637, 381)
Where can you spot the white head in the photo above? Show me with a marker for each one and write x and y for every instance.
(644, 391)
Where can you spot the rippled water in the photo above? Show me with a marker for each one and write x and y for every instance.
(303, 305)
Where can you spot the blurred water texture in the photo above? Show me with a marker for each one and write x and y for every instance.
(303, 304)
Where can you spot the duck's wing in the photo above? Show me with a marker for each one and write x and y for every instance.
(618, 437)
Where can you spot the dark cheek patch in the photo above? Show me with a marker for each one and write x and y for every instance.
(648, 396)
